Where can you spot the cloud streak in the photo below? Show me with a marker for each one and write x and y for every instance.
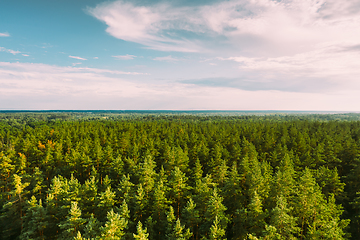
(76, 57)
(166, 59)
(2, 49)
(46, 79)
(124, 57)
(5, 34)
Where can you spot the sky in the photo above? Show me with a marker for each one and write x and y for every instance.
(180, 55)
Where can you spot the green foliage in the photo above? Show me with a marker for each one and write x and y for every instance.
(73, 222)
(114, 226)
(141, 233)
(36, 220)
(99, 176)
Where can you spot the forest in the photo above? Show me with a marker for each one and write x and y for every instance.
(167, 176)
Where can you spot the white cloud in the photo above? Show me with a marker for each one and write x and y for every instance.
(95, 58)
(328, 68)
(166, 59)
(2, 49)
(5, 34)
(29, 77)
(252, 27)
(25, 55)
(41, 86)
(75, 57)
(144, 25)
(124, 57)
(289, 45)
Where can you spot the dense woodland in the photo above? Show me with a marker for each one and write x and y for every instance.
(179, 176)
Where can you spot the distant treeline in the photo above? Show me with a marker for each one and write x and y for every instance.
(78, 175)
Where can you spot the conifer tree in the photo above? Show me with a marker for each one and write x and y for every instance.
(89, 196)
(216, 232)
(215, 210)
(316, 215)
(36, 221)
(175, 156)
(191, 216)
(73, 222)
(150, 226)
(160, 206)
(141, 233)
(232, 190)
(197, 172)
(37, 182)
(147, 174)
(284, 223)
(79, 237)
(54, 203)
(250, 219)
(177, 233)
(140, 203)
(114, 226)
(219, 173)
(106, 203)
(125, 189)
(117, 167)
(179, 188)
(13, 210)
(91, 228)
(6, 171)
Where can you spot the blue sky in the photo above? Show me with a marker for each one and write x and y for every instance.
(181, 55)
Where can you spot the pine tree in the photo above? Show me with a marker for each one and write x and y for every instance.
(79, 237)
(179, 188)
(73, 222)
(219, 173)
(150, 226)
(284, 223)
(175, 157)
(177, 233)
(106, 203)
(117, 167)
(35, 221)
(316, 215)
(216, 232)
(55, 203)
(6, 171)
(124, 213)
(160, 206)
(147, 174)
(92, 228)
(250, 219)
(284, 182)
(141, 233)
(232, 190)
(126, 189)
(89, 196)
(140, 203)
(191, 216)
(37, 182)
(114, 226)
(197, 172)
(13, 210)
(215, 210)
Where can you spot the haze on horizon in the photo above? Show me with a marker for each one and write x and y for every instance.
(183, 55)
